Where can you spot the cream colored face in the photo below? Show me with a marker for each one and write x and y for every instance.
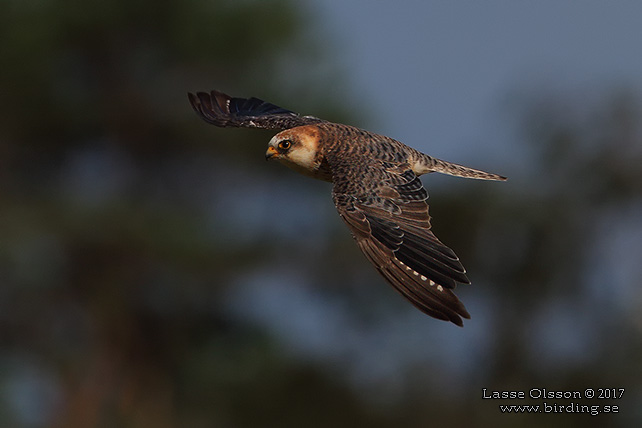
(297, 148)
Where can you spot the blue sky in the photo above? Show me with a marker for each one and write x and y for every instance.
(439, 75)
(442, 77)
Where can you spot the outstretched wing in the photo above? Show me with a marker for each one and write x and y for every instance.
(392, 227)
(222, 110)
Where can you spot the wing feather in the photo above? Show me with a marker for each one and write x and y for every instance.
(443, 305)
(391, 225)
(222, 110)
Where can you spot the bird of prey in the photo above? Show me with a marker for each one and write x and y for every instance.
(376, 190)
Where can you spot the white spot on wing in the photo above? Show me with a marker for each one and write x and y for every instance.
(403, 264)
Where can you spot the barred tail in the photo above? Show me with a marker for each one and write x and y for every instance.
(426, 164)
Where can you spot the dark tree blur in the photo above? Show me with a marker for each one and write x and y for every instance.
(128, 225)
(113, 254)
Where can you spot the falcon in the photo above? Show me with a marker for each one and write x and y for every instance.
(376, 190)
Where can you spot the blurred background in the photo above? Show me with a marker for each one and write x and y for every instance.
(155, 271)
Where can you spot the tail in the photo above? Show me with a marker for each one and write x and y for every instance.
(426, 164)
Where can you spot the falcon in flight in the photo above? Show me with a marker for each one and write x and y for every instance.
(376, 190)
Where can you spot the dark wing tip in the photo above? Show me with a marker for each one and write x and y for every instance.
(434, 300)
(431, 298)
(212, 108)
(222, 110)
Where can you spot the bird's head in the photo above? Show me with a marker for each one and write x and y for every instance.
(297, 148)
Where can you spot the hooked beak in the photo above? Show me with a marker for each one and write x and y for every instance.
(271, 152)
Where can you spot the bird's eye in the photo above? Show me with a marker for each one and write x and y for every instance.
(285, 144)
